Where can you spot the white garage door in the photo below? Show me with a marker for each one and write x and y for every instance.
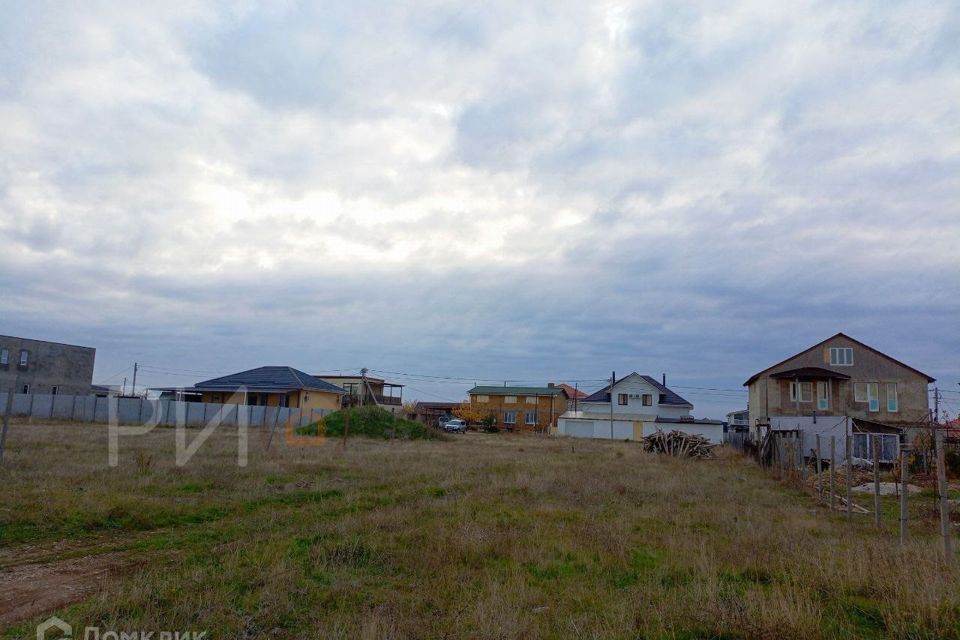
(579, 428)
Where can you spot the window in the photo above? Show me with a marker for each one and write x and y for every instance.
(483, 398)
(283, 401)
(889, 446)
(25, 389)
(805, 391)
(873, 396)
(530, 417)
(531, 399)
(647, 400)
(892, 405)
(622, 399)
(859, 391)
(23, 357)
(510, 417)
(841, 356)
(510, 399)
(53, 390)
(4, 357)
(823, 396)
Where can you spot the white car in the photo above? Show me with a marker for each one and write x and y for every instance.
(455, 426)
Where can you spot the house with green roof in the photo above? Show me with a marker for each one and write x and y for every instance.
(521, 408)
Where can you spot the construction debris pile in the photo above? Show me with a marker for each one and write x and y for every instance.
(679, 444)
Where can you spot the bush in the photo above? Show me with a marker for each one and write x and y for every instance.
(952, 458)
(370, 422)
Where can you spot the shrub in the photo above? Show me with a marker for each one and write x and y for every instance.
(371, 422)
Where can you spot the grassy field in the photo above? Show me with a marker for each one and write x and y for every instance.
(485, 536)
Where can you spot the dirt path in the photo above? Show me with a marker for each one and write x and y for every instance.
(31, 590)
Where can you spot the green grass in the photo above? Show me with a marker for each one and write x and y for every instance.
(483, 536)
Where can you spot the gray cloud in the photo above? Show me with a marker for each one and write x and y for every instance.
(535, 192)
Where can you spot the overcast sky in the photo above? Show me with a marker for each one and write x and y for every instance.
(513, 191)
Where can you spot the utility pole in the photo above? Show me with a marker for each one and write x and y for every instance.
(576, 393)
(936, 405)
(363, 387)
(123, 389)
(133, 390)
(613, 378)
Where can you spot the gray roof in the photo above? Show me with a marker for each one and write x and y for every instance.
(603, 395)
(268, 379)
(516, 391)
(665, 420)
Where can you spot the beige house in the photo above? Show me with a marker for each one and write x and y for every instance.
(368, 391)
(271, 387)
(840, 377)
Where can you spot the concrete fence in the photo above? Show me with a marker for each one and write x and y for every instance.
(142, 411)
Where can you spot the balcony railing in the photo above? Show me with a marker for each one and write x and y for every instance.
(355, 398)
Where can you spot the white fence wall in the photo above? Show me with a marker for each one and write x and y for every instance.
(141, 411)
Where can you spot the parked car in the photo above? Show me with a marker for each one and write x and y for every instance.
(455, 426)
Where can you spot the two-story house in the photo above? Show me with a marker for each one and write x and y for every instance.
(368, 391)
(839, 387)
(636, 406)
(39, 366)
(521, 408)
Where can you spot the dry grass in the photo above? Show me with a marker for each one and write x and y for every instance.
(485, 536)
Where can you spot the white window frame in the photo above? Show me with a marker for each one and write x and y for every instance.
(527, 415)
(531, 399)
(510, 399)
(4, 357)
(623, 399)
(894, 396)
(841, 356)
(24, 357)
(860, 392)
(808, 386)
(509, 417)
(823, 396)
(646, 399)
(873, 397)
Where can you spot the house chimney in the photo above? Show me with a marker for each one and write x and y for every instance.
(664, 379)
(550, 385)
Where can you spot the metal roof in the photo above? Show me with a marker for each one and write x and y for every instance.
(268, 379)
(516, 391)
(603, 395)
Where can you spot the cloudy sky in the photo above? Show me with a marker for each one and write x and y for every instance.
(548, 191)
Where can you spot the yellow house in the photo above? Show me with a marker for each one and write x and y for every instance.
(271, 387)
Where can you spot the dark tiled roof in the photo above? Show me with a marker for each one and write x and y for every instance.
(516, 391)
(603, 395)
(437, 405)
(266, 379)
